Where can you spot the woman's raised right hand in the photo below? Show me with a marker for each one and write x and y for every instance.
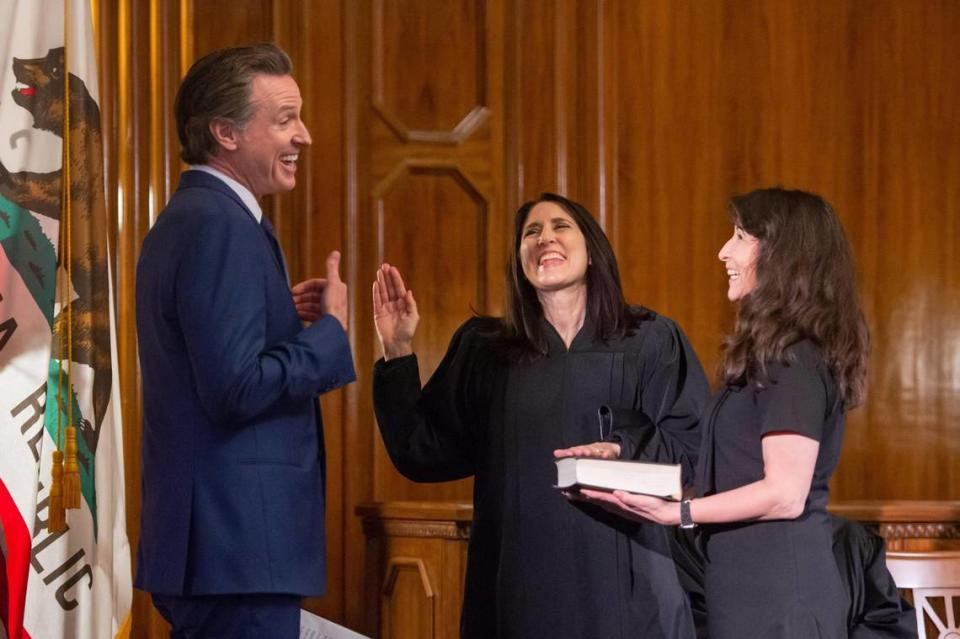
(394, 313)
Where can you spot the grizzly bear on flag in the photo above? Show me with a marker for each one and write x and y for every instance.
(40, 90)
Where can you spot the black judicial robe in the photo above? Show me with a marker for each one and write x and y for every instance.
(539, 565)
(877, 611)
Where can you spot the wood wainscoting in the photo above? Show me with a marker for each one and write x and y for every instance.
(414, 565)
(416, 556)
(906, 524)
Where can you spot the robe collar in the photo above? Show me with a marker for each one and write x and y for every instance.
(582, 341)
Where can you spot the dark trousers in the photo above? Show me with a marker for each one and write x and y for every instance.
(246, 616)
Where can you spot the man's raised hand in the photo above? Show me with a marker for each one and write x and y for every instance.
(321, 296)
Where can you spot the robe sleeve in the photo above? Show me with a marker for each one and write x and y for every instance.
(432, 434)
(665, 427)
(877, 611)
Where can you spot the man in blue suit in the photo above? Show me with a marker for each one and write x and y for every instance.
(232, 529)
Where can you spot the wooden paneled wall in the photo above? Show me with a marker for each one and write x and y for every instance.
(433, 120)
(141, 52)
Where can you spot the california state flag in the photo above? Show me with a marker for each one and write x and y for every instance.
(57, 334)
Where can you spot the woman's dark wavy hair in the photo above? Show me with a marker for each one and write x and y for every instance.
(806, 289)
(522, 331)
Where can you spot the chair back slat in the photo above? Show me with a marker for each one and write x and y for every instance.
(934, 579)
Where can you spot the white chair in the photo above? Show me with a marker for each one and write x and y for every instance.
(934, 579)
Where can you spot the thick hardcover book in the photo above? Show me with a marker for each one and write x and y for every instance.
(648, 478)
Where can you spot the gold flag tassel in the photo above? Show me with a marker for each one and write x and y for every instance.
(65, 486)
(56, 513)
(71, 472)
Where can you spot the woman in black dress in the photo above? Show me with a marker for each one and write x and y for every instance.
(512, 391)
(796, 361)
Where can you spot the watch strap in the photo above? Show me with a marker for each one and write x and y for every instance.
(686, 521)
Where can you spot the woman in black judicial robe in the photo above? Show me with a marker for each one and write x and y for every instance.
(795, 363)
(512, 392)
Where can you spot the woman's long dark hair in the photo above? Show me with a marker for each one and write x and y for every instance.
(806, 289)
(522, 331)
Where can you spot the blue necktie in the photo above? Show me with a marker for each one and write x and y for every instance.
(275, 244)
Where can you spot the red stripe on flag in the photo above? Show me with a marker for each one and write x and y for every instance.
(3, 594)
(18, 558)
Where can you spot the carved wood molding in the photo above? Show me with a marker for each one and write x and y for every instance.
(431, 529)
(894, 520)
(899, 530)
(437, 519)
(913, 512)
(467, 124)
(395, 569)
(398, 564)
(899, 521)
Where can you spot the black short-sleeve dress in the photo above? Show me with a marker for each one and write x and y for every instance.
(540, 566)
(773, 579)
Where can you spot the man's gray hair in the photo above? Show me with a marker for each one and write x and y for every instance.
(218, 87)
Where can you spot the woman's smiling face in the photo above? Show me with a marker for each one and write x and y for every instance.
(739, 256)
(553, 251)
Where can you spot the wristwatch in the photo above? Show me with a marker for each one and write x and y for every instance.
(686, 521)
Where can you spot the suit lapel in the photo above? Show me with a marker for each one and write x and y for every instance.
(200, 179)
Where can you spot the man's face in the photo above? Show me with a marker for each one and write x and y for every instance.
(265, 158)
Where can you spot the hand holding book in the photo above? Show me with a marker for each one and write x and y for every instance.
(577, 472)
(647, 478)
(632, 506)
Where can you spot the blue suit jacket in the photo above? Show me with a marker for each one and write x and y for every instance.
(233, 495)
